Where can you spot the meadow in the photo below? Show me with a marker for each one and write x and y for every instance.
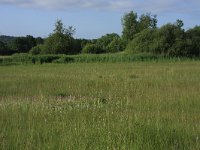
(130, 105)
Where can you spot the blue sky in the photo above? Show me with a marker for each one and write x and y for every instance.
(91, 18)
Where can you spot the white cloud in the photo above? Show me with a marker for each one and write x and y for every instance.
(155, 6)
(64, 4)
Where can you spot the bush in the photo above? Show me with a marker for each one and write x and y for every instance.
(4, 49)
(143, 42)
(91, 49)
(116, 45)
(193, 41)
(37, 50)
(58, 43)
(168, 40)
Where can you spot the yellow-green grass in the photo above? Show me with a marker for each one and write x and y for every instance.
(141, 105)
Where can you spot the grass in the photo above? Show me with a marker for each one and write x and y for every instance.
(24, 58)
(140, 105)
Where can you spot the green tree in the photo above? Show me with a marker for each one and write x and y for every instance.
(116, 45)
(39, 40)
(91, 48)
(105, 40)
(37, 49)
(167, 40)
(20, 45)
(30, 41)
(147, 21)
(193, 41)
(129, 25)
(143, 42)
(23, 44)
(170, 40)
(3, 48)
(61, 41)
(132, 25)
(179, 23)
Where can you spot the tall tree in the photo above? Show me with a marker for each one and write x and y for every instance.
(132, 25)
(147, 21)
(3, 48)
(60, 41)
(129, 24)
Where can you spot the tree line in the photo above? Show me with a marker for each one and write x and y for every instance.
(140, 35)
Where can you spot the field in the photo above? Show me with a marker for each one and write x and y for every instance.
(131, 105)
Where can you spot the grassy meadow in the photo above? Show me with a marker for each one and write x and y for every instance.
(114, 106)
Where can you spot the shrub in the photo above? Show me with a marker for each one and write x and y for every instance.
(116, 45)
(36, 50)
(91, 49)
(169, 40)
(193, 41)
(57, 43)
(143, 42)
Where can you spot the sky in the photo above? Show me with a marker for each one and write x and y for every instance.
(91, 18)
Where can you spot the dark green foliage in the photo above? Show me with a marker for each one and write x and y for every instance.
(37, 50)
(108, 43)
(61, 41)
(23, 44)
(116, 45)
(39, 40)
(105, 40)
(193, 41)
(147, 21)
(92, 49)
(3, 48)
(58, 43)
(132, 25)
(169, 40)
(129, 24)
(78, 45)
(19, 44)
(142, 43)
(7, 39)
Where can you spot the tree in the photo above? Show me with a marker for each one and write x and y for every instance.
(193, 41)
(60, 28)
(143, 42)
(24, 44)
(37, 50)
(61, 41)
(92, 49)
(30, 41)
(3, 48)
(129, 24)
(179, 23)
(39, 40)
(132, 25)
(20, 45)
(170, 40)
(116, 45)
(105, 40)
(147, 21)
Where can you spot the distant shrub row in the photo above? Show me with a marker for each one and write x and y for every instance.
(23, 58)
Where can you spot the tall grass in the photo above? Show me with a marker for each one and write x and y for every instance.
(86, 58)
(137, 105)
